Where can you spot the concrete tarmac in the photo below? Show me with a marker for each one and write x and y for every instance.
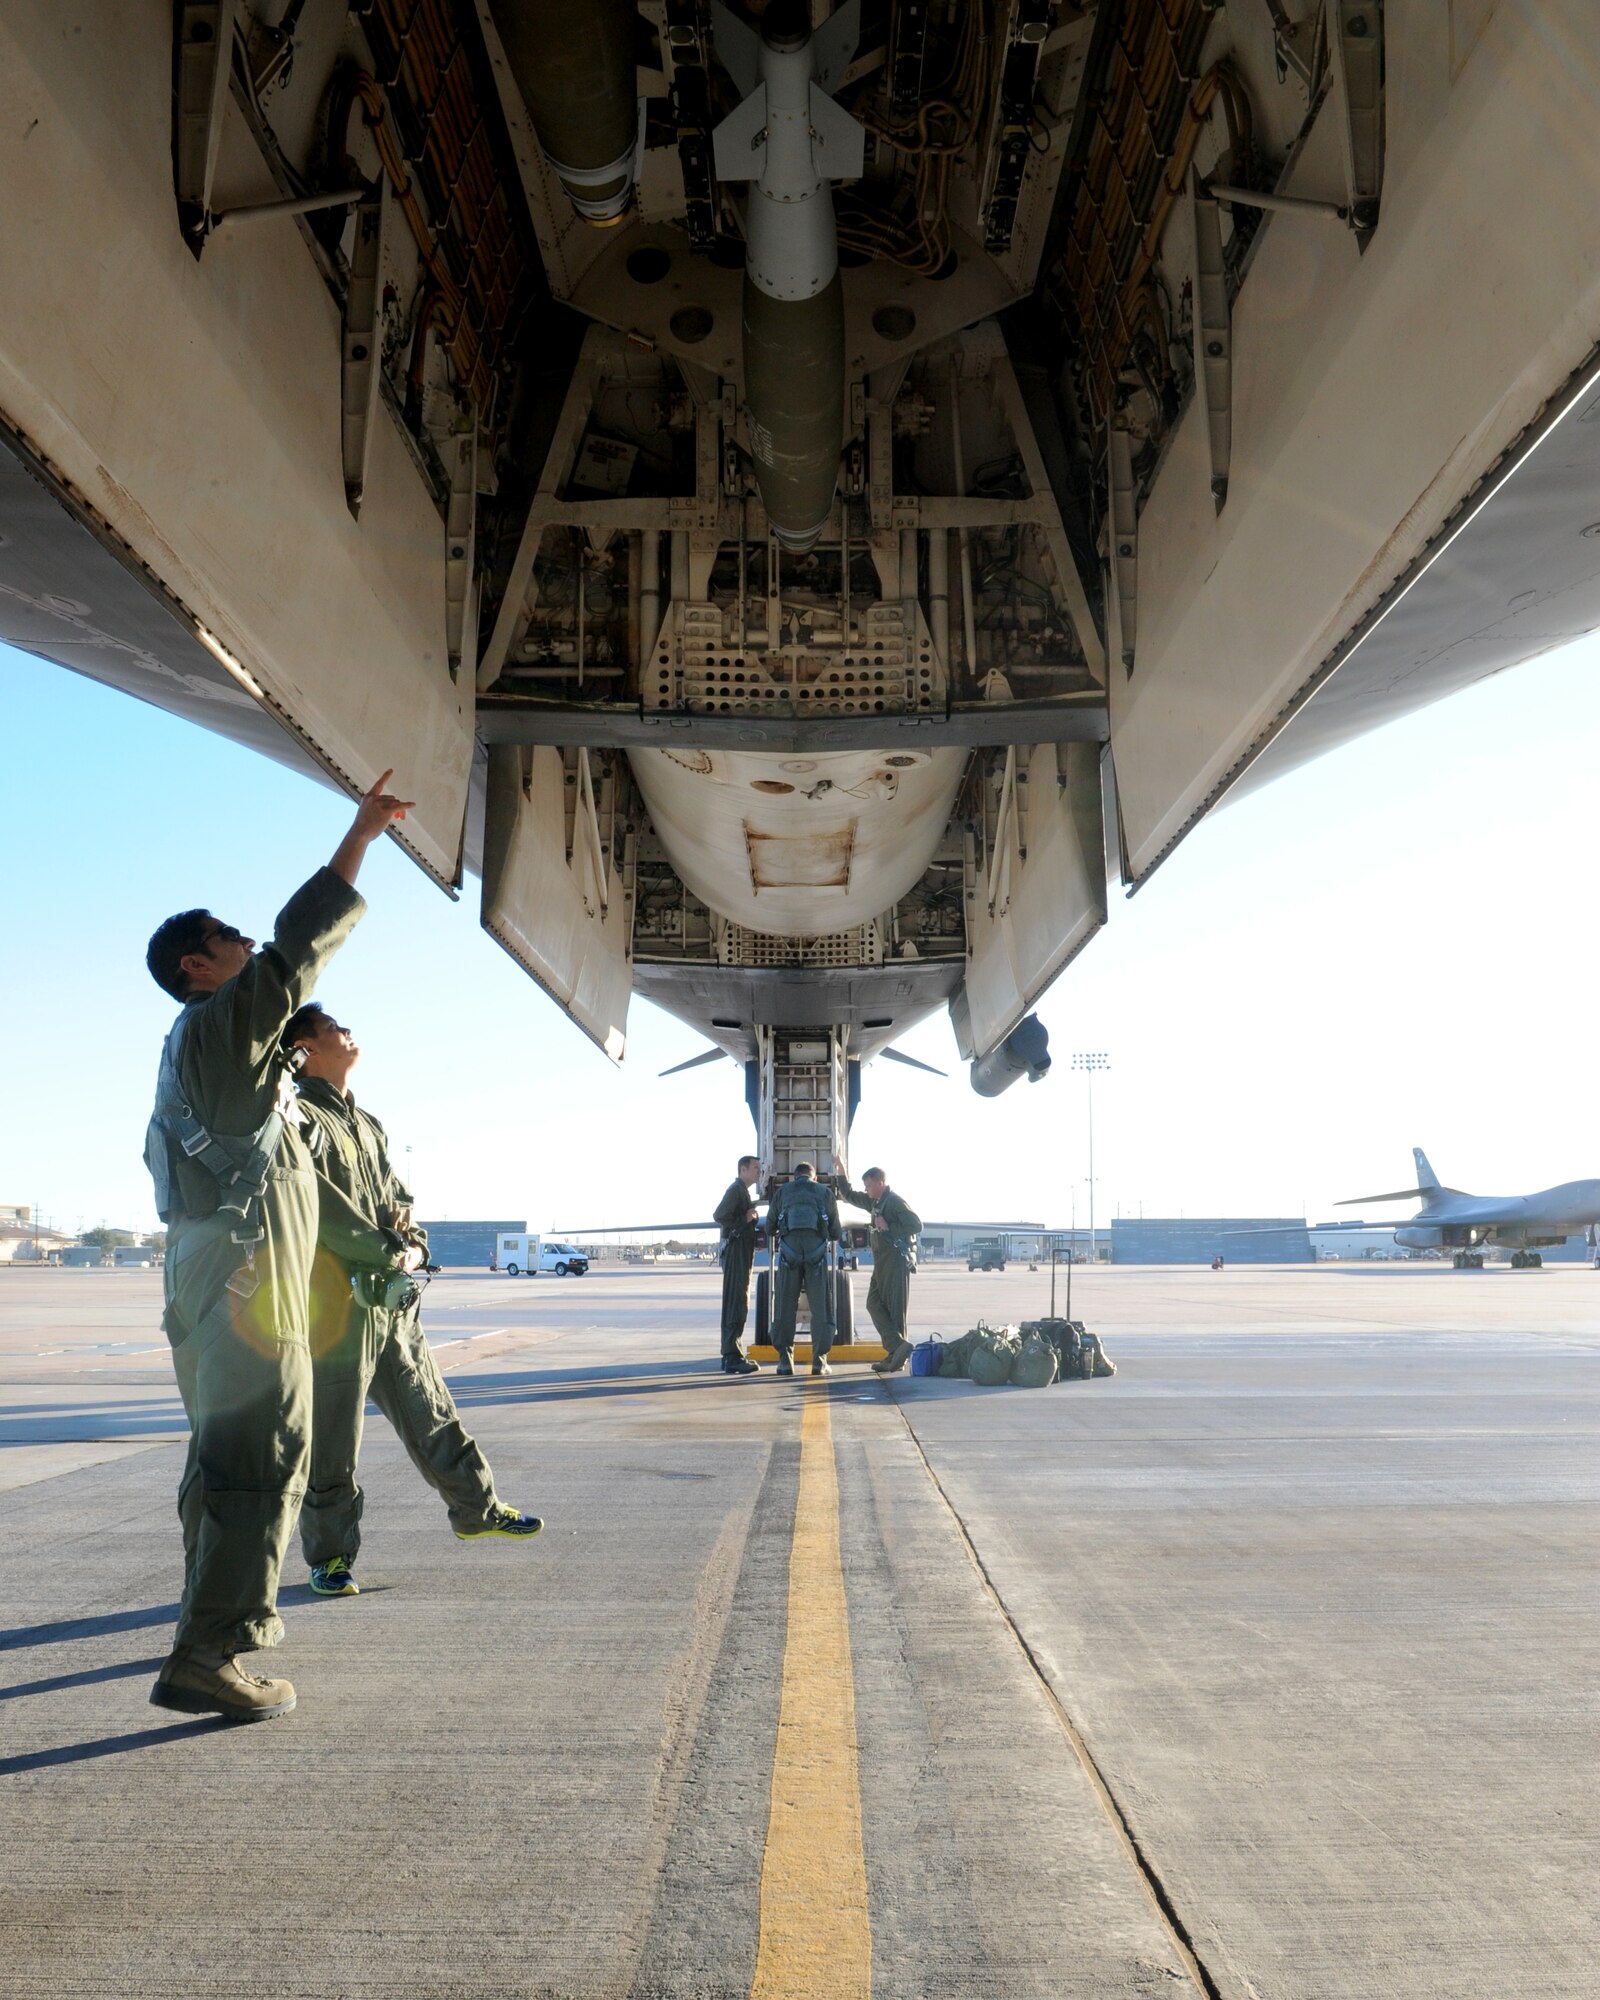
(1264, 1670)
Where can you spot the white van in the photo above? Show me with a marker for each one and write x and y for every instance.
(527, 1255)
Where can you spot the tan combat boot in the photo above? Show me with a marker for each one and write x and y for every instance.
(197, 1681)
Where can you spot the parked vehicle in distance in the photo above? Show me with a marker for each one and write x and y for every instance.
(527, 1255)
(563, 1260)
(987, 1253)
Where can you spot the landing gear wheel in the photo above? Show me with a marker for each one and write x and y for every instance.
(844, 1309)
(763, 1307)
(1519, 1262)
(1535, 1260)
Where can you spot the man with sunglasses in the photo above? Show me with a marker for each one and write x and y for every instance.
(236, 1188)
(366, 1337)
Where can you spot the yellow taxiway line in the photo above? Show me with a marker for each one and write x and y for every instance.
(841, 1350)
(816, 1937)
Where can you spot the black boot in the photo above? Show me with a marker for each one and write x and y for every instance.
(785, 1360)
(740, 1364)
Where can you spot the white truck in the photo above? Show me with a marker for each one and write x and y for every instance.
(527, 1256)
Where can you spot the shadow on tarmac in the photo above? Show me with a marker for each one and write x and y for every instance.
(112, 1746)
(113, 1429)
(545, 1385)
(302, 1593)
(122, 1671)
(87, 1628)
(78, 1409)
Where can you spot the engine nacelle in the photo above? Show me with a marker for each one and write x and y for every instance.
(1024, 1052)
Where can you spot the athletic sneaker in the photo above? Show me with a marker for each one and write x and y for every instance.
(503, 1521)
(333, 1579)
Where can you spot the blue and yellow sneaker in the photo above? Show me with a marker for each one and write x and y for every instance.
(333, 1579)
(502, 1520)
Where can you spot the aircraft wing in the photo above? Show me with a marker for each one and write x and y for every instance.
(1399, 1194)
(626, 1229)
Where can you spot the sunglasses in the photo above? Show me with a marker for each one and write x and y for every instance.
(223, 934)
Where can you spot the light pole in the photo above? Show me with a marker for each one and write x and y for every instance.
(1089, 1061)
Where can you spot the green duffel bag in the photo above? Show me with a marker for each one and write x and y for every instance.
(994, 1354)
(953, 1361)
(1036, 1363)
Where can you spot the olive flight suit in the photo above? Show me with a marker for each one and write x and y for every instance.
(735, 1216)
(360, 1348)
(803, 1221)
(238, 1285)
(895, 1229)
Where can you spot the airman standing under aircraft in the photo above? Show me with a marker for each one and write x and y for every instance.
(803, 1221)
(895, 1228)
(366, 1337)
(235, 1187)
(735, 1216)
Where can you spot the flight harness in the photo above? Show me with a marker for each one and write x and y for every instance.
(389, 1291)
(802, 1205)
(240, 1166)
(901, 1241)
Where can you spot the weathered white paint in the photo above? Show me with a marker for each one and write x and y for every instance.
(545, 909)
(1370, 393)
(1048, 905)
(884, 820)
(195, 408)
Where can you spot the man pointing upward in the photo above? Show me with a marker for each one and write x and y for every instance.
(235, 1187)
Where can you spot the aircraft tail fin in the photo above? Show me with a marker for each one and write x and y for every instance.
(1427, 1179)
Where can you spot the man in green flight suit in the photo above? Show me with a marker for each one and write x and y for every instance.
(895, 1229)
(735, 1216)
(366, 1337)
(236, 1189)
(803, 1221)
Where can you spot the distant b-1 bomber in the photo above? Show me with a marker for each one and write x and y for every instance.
(1468, 1223)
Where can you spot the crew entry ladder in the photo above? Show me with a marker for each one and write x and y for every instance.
(803, 1088)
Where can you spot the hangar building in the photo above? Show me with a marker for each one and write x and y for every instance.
(466, 1242)
(1192, 1239)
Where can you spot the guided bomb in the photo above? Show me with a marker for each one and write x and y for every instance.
(789, 139)
(574, 63)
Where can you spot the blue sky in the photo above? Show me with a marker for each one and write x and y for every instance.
(1391, 947)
